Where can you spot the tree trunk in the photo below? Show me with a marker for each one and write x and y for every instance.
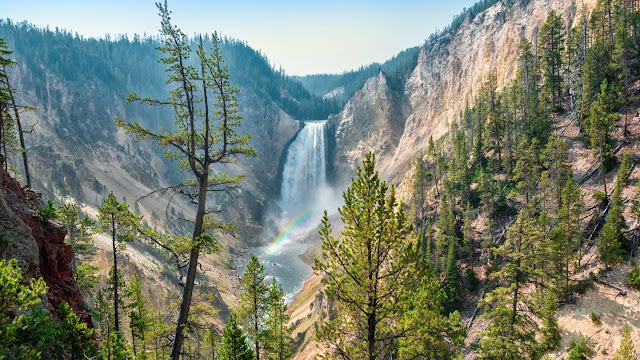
(255, 323)
(193, 267)
(21, 136)
(115, 274)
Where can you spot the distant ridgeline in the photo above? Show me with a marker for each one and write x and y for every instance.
(398, 69)
(122, 65)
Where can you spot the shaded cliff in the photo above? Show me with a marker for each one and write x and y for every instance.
(38, 246)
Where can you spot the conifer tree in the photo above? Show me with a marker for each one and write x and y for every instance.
(8, 103)
(512, 331)
(566, 236)
(206, 121)
(552, 39)
(139, 314)
(279, 344)
(17, 298)
(80, 231)
(116, 220)
(373, 272)
(623, 56)
(420, 186)
(555, 160)
(254, 299)
(626, 351)
(612, 243)
(527, 170)
(601, 122)
(76, 337)
(452, 275)
(495, 128)
(234, 343)
(576, 50)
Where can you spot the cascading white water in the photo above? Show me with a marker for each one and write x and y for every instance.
(303, 197)
(305, 168)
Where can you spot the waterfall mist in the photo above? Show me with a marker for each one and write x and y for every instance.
(304, 195)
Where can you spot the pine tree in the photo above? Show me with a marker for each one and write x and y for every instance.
(80, 231)
(495, 127)
(555, 161)
(75, 336)
(552, 39)
(420, 187)
(452, 275)
(116, 220)
(253, 301)
(206, 117)
(138, 311)
(371, 273)
(550, 331)
(612, 243)
(527, 170)
(17, 298)
(623, 56)
(234, 343)
(626, 351)
(279, 344)
(8, 101)
(512, 331)
(601, 122)
(576, 50)
(566, 236)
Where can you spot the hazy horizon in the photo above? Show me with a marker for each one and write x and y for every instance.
(303, 38)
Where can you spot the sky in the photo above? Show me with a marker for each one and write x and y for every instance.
(303, 36)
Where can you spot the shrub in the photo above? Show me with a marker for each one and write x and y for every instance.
(633, 277)
(472, 279)
(595, 319)
(48, 212)
(579, 350)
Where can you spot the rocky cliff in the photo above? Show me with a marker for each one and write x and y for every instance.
(448, 75)
(38, 246)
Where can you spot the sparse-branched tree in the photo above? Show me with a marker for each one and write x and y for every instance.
(206, 120)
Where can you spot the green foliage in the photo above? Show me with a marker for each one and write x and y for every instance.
(16, 299)
(594, 318)
(380, 287)
(138, 308)
(122, 226)
(471, 279)
(612, 244)
(80, 231)
(48, 212)
(75, 337)
(552, 40)
(626, 351)
(278, 341)
(234, 343)
(633, 277)
(29, 332)
(253, 303)
(5, 240)
(579, 350)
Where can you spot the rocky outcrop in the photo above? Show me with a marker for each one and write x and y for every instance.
(448, 75)
(372, 120)
(38, 246)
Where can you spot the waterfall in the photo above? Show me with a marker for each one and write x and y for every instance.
(305, 168)
(303, 197)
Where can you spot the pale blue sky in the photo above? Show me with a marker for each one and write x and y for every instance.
(304, 36)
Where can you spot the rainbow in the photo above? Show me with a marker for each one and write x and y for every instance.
(302, 221)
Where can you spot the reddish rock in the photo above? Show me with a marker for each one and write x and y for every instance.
(55, 255)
